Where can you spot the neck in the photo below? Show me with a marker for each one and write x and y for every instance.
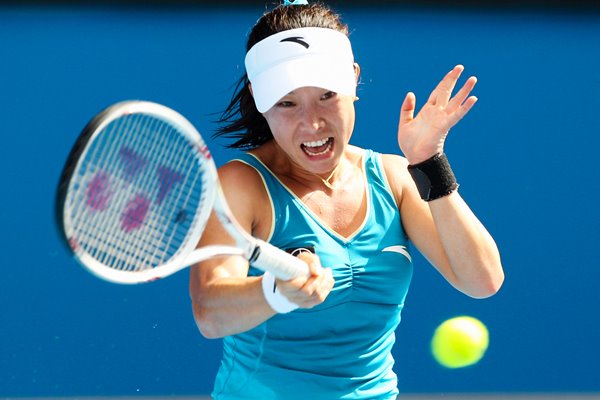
(276, 160)
(327, 181)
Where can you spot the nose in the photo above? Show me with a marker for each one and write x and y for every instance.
(313, 118)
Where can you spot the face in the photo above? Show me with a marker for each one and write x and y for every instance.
(313, 127)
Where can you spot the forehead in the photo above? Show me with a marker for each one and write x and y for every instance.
(307, 90)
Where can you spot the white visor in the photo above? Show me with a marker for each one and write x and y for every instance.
(295, 58)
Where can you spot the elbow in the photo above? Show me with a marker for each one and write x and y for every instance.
(489, 285)
(486, 290)
(204, 310)
(206, 322)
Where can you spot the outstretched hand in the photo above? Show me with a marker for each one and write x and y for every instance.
(423, 136)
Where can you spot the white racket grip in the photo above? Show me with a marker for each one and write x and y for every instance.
(281, 264)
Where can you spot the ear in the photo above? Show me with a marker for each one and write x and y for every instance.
(250, 89)
(357, 72)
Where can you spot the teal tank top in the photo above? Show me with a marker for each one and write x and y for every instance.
(340, 349)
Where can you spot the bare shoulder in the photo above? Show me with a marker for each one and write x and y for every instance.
(395, 168)
(246, 195)
(239, 175)
(394, 161)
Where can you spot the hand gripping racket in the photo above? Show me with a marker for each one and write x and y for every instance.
(136, 193)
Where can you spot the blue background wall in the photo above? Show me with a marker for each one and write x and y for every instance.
(524, 157)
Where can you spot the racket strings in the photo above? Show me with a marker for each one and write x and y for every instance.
(92, 227)
(154, 222)
(169, 160)
(171, 238)
(185, 196)
(123, 250)
(151, 199)
(118, 252)
(147, 257)
(99, 229)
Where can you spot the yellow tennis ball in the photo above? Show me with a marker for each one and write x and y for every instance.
(460, 342)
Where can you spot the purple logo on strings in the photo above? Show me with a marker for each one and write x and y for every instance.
(99, 192)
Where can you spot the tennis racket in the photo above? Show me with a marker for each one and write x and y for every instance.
(135, 195)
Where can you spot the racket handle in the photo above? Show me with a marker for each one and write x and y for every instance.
(281, 264)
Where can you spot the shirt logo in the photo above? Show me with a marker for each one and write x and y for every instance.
(399, 249)
(299, 250)
(296, 39)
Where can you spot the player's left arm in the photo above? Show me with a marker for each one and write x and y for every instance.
(445, 230)
(448, 234)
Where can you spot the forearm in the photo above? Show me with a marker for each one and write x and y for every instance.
(473, 259)
(228, 306)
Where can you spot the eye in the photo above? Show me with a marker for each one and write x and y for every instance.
(328, 95)
(285, 104)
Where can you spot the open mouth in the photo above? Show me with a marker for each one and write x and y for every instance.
(317, 147)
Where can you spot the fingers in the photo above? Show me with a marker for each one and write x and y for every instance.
(443, 91)
(458, 106)
(462, 110)
(407, 111)
(317, 288)
(460, 97)
(308, 292)
(441, 95)
(313, 262)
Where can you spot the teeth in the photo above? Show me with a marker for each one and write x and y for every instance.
(316, 143)
(319, 153)
(310, 147)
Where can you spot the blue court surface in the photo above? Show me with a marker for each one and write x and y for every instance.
(524, 157)
(440, 396)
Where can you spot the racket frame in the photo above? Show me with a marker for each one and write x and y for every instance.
(266, 256)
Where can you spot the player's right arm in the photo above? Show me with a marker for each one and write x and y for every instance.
(226, 301)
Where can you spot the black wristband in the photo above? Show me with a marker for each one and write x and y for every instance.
(434, 177)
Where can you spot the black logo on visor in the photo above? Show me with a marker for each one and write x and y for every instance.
(296, 39)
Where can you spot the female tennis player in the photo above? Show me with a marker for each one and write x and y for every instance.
(350, 213)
